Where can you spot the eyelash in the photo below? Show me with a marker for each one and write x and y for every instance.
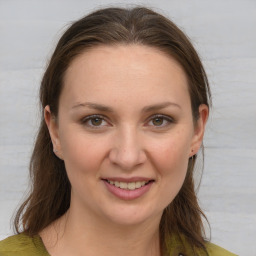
(90, 118)
(168, 119)
(165, 118)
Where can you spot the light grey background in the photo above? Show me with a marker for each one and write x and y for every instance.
(223, 32)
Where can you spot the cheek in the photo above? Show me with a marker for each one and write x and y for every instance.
(170, 158)
(171, 152)
(172, 163)
(83, 154)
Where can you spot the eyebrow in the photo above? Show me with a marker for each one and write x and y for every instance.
(105, 108)
(91, 105)
(159, 106)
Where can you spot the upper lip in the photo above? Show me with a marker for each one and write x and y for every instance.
(131, 179)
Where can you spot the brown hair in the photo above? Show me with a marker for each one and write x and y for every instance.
(50, 195)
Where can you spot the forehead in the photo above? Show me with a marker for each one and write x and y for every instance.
(124, 72)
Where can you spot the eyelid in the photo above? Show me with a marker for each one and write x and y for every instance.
(89, 117)
(168, 118)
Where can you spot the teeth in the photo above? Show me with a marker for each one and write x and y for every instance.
(129, 185)
(138, 184)
(123, 185)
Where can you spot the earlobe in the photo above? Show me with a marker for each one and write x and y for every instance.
(199, 129)
(52, 125)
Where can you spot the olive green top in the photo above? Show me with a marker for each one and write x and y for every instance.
(23, 245)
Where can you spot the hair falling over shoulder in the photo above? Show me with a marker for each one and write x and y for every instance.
(49, 197)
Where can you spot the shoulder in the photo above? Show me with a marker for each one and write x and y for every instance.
(215, 250)
(178, 244)
(22, 245)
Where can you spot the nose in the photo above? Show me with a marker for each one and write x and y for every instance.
(127, 151)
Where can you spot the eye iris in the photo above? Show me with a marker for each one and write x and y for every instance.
(158, 121)
(96, 121)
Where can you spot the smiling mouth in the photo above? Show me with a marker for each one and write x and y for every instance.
(129, 185)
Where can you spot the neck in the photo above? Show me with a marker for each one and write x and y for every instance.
(94, 236)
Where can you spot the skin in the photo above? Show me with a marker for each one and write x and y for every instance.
(126, 141)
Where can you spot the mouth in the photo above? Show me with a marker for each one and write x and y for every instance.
(128, 189)
(129, 185)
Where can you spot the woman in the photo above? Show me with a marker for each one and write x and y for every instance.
(125, 101)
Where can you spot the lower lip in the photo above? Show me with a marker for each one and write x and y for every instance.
(126, 194)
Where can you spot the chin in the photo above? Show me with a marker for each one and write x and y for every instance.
(130, 216)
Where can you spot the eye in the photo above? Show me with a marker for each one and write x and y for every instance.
(94, 121)
(160, 121)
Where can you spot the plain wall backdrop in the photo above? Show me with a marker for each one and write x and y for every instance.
(224, 34)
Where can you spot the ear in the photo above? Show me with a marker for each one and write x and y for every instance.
(199, 129)
(52, 125)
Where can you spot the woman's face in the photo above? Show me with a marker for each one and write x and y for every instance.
(125, 132)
